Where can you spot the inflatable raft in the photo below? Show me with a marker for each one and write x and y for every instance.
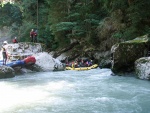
(30, 60)
(82, 68)
(16, 63)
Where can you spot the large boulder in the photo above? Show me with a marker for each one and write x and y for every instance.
(6, 72)
(126, 53)
(21, 50)
(142, 68)
(45, 62)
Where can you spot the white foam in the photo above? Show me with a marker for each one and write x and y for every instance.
(12, 96)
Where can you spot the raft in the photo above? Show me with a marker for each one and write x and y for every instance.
(82, 68)
(13, 63)
(16, 63)
(30, 60)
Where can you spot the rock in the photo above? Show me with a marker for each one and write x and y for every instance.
(34, 68)
(142, 68)
(126, 53)
(104, 59)
(45, 62)
(59, 67)
(6, 72)
(105, 63)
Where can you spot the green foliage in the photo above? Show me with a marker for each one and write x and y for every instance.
(65, 26)
(46, 37)
(10, 14)
(117, 35)
(112, 5)
(24, 31)
(88, 21)
(29, 8)
(137, 19)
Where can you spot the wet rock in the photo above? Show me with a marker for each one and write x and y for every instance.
(6, 72)
(105, 63)
(104, 59)
(142, 68)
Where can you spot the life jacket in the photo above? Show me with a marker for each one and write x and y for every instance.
(35, 34)
(14, 41)
(32, 33)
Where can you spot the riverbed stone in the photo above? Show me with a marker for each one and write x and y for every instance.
(142, 68)
(6, 72)
(126, 53)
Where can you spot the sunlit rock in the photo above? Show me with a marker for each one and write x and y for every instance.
(46, 62)
(126, 53)
(21, 50)
(142, 68)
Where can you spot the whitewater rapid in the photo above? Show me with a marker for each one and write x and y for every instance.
(92, 91)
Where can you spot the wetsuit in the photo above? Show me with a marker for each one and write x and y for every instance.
(4, 57)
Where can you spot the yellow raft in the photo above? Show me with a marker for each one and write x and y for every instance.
(82, 68)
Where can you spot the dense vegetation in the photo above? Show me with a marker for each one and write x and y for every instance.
(88, 21)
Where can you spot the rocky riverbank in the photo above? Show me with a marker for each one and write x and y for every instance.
(124, 57)
(19, 51)
(121, 58)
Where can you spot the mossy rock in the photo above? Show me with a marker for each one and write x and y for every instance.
(126, 53)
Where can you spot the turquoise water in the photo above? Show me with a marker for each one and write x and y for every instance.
(93, 91)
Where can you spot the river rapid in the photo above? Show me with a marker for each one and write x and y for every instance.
(93, 91)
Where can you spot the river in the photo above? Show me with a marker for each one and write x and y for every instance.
(93, 91)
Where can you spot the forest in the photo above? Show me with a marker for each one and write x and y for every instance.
(89, 22)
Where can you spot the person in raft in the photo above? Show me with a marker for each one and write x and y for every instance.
(15, 40)
(4, 54)
(32, 35)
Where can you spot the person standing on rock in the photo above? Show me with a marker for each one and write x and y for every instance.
(4, 54)
(15, 40)
(5, 43)
(32, 35)
(35, 36)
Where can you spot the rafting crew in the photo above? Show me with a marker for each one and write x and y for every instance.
(80, 63)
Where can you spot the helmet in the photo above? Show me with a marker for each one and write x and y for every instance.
(5, 42)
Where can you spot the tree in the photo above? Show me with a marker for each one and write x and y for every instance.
(10, 14)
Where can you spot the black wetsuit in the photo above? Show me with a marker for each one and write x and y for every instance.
(4, 57)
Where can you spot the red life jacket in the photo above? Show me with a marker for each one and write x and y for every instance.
(14, 41)
(32, 33)
(35, 34)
